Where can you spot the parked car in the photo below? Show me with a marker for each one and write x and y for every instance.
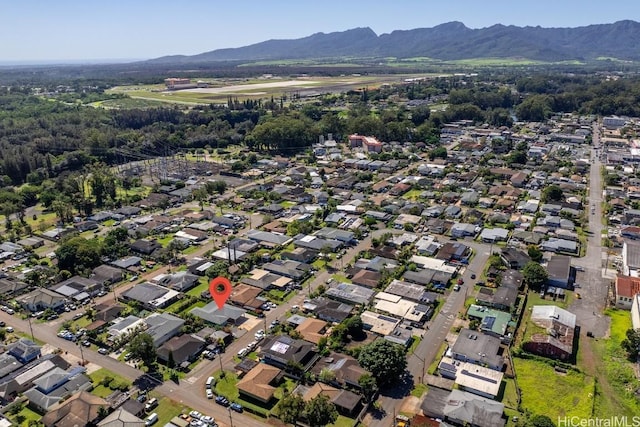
(236, 407)
(456, 288)
(209, 393)
(9, 329)
(473, 277)
(221, 400)
(103, 351)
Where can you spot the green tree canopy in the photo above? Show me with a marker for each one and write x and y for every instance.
(141, 347)
(290, 408)
(384, 359)
(78, 254)
(368, 386)
(632, 343)
(552, 193)
(320, 411)
(535, 275)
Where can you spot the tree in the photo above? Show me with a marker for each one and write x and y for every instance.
(384, 359)
(77, 254)
(551, 193)
(354, 326)
(320, 411)
(632, 343)
(540, 421)
(534, 253)
(290, 408)
(535, 275)
(141, 347)
(368, 386)
(327, 375)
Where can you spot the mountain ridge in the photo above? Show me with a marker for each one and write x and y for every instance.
(448, 41)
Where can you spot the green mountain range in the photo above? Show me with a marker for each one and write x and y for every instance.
(450, 41)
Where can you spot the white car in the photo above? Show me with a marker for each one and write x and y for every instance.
(209, 394)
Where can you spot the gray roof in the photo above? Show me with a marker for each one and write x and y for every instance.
(473, 410)
(475, 345)
(559, 267)
(632, 253)
(211, 313)
(410, 291)
(351, 293)
(127, 262)
(145, 292)
(161, 325)
(547, 312)
(121, 418)
(264, 236)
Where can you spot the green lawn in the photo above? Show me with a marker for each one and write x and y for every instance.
(343, 421)
(547, 392)
(167, 409)
(414, 345)
(99, 375)
(616, 398)
(434, 365)
(203, 286)
(26, 415)
(509, 395)
(419, 390)
(227, 387)
(412, 194)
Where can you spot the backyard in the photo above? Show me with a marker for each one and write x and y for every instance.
(555, 394)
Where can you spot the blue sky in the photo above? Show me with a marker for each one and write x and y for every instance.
(65, 30)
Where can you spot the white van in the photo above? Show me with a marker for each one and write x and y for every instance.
(151, 419)
(210, 382)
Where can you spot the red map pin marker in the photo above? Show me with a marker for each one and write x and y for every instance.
(220, 289)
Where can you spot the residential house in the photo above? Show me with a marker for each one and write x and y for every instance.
(463, 230)
(81, 409)
(227, 315)
(260, 383)
(121, 418)
(107, 275)
(24, 350)
(478, 348)
(281, 351)
(555, 331)
(246, 296)
(514, 258)
(350, 294)
(183, 349)
(180, 281)
(78, 288)
(144, 246)
(561, 275)
(328, 310)
(41, 299)
(150, 295)
(55, 386)
(626, 288)
(265, 280)
(312, 330)
(162, 327)
(346, 369)
(346, 402)
(458, 407)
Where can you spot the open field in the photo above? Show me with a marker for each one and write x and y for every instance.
(545, 391)
(618, 383)
(219, 90)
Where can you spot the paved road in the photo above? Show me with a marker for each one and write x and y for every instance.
(438, 328)
(593, 287)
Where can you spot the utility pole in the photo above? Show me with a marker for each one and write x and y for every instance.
(31, 329)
